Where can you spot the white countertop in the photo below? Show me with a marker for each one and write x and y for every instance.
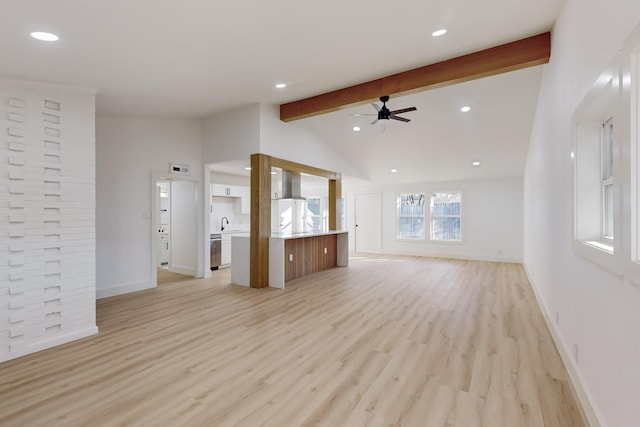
(287, 236)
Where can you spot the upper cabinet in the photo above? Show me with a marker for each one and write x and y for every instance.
(245, 201)
(223, 190)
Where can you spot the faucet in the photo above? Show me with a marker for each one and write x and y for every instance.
(222, 222)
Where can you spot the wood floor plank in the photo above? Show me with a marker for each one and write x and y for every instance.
(388, 341)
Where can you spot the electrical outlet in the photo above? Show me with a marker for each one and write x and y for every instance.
(290, 257)
(576, 353)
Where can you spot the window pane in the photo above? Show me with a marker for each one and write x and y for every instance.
(607, 149)
(608, 211)
(446, 213)
(411, 216)
(446, 229)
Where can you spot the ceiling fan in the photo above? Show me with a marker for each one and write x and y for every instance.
(385, 114)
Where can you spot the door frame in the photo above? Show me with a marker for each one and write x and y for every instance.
(199, 230)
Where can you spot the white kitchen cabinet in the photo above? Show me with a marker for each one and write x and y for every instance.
(226, 250)
(223, 190)
(234, 190)
(245, 200)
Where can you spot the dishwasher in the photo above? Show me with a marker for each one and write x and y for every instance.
(216, 250)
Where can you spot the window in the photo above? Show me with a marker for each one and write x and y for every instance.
(606, 162)
(315, 215)
(411, 216)
(597, 172)
(446, 215)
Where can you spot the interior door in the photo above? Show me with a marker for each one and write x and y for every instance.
(367, 222)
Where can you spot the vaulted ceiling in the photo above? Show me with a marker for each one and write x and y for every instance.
(197, 58)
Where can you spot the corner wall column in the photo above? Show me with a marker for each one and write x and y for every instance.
(335, 210)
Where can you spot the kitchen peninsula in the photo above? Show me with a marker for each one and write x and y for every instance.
(292, 255)
(263, 254)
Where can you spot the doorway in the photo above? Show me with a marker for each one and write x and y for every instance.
(176, 228)
(367, 222)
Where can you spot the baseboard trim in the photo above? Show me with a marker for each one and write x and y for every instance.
(584, 396)
(49, 343)
(182, 270)
(123, 289)
(509, 260)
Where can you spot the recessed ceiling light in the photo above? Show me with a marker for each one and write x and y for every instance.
(394, 170)
(356, 129)
(247, 168)
(281, 85)
(476, 163)
(439, 33)
(46, 37)
(465, 109)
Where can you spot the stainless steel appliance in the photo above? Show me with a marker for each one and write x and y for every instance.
(215, 242)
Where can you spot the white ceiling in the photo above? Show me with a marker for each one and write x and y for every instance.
(196, 58)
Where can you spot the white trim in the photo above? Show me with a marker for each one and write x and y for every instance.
(125, 289)
(487, 258)
(579, 385)
(49, 343)
(202, 239)
(610, 261)
(188, 271)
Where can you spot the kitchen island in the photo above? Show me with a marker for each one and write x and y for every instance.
(292, 255)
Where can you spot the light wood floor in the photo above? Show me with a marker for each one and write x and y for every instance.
(165, 276)
(388, 341)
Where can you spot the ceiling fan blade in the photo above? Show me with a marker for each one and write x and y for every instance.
(376, 107)
(374, 121)
(404, 110)
(402, 119)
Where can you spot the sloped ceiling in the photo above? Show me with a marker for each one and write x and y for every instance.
(197, 58)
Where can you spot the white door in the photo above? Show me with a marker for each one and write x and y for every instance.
(367, 222)
(184, 220)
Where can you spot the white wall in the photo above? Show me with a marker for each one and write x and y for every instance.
(128, 150)
(492, 213)
(599, 312)
(233, 135)
(294, 141)
(47, 216)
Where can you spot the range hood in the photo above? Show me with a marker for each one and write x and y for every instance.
(291, 186)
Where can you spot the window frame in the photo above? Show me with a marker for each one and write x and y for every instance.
(600, 107)
(607, 167)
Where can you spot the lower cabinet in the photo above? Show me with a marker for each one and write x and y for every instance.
(308, 255)
(225, 253)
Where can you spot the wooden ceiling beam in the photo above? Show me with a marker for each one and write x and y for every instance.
(512, 56)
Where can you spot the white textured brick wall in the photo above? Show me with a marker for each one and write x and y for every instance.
(47, 216)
